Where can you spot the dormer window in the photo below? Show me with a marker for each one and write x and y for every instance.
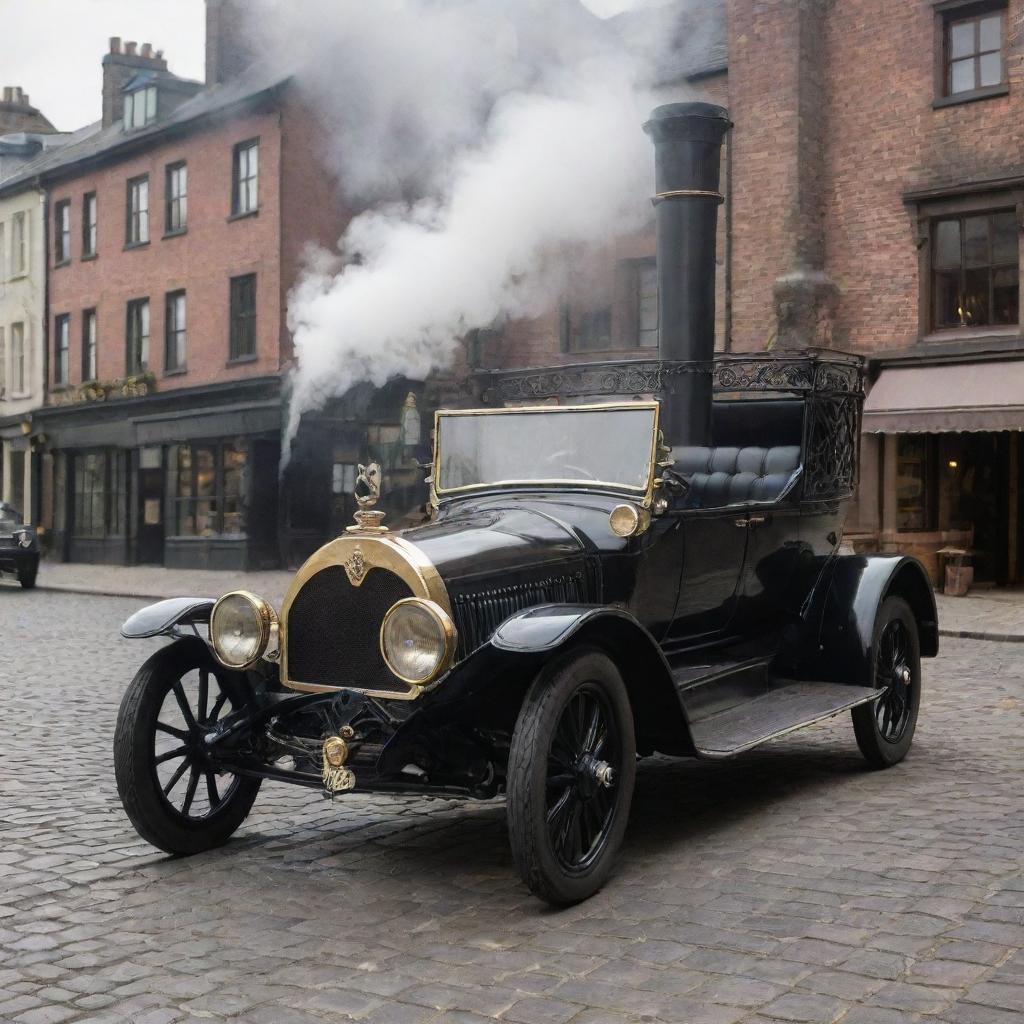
(139, 108)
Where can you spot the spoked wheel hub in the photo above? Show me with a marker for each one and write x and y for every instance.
(895, 676)
(584, 763)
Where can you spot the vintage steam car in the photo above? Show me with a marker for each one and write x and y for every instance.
(586, 593)
(19, 547)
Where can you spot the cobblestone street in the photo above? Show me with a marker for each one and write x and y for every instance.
(790, 885)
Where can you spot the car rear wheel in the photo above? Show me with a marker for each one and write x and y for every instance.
(572, 766)
(176, 796)
(885, 727)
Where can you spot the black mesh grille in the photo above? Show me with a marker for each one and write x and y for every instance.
(334, 630)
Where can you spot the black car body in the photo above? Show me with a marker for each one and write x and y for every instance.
(584, 593)
(19, 547)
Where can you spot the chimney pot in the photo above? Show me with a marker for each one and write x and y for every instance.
(130, 48)
(147, 50)
(115, 44)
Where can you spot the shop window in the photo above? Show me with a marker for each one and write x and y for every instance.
(209, 489)
(973, 56)
(243, 318)
(137, 360)
(176, 198)
(245, 179)
(61, 348)
(138, 211)
(975, 271)
(90, 217)
(916, 482)
(90, 494)
(62, 232)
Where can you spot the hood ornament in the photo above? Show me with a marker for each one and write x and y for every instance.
(367, 492)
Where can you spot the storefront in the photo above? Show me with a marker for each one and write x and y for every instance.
(944, 444)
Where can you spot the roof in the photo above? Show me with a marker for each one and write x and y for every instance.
(688, 39)
(95, 142)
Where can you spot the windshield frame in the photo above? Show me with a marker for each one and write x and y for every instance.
(643, 495)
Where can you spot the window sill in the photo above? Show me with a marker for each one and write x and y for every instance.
(176, 233)
(242, 360)
(970, 334)
(177, 372)
(89, 257)
(136, 245)
(62, 263)
(970, 97)
(19, 276)
(242, 216)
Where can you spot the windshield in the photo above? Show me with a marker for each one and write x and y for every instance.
(609, 445)
(10, 517)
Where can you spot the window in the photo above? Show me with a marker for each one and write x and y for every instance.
(138, 211)
(19, 371)
(3, 363)
(974, 50)
(90, 494)
(975, 271)
(61, 348)
(174, 321)
(140, 108)
(245, 180)
(89, 345)
(644, 303)
(19, 244)
(209, 488)
(89, 220)
(243, 317)
(176, 198)
(62, 231)
(588, 330)
(118, 494)
(138, 336)
(916, 482)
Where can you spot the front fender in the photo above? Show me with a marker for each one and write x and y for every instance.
(165, 617)
(845, 609)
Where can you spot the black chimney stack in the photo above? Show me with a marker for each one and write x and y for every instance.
(688, 149)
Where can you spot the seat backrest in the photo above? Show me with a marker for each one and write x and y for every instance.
(773, 422)
(736, 476)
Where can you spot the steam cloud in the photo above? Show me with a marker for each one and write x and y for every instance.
(489, 140)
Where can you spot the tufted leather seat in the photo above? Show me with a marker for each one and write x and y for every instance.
(735, 476)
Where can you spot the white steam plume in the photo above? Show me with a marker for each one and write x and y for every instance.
(492, 137)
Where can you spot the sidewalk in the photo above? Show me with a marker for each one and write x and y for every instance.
(982, 615)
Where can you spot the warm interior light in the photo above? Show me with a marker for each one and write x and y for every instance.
(953, 463)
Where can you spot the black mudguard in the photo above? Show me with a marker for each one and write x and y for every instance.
(178, 616)
(844, 608)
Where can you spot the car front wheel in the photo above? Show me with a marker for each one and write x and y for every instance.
(885, 727)
(27, 576)
(175, 794)
(572, 766)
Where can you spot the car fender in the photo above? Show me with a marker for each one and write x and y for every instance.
(846, 605)
(165, 618)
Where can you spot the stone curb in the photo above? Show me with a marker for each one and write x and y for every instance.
(978, 634)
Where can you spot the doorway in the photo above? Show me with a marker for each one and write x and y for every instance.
(151, 516)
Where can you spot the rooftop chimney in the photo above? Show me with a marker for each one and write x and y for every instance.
(687, 150)
(18, 115)
(120, 66)
(228, 49)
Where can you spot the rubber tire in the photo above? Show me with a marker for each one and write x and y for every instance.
(27, 578)
(526, 797)
(137, 783)
(877, 751)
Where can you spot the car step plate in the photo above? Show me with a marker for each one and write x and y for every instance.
(785, 708)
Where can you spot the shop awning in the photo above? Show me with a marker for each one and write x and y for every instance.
(949, 398)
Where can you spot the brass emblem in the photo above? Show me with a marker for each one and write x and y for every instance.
(355, 567)
(367, 492)
(336, 777)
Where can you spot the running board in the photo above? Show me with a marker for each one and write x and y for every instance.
(784, 709)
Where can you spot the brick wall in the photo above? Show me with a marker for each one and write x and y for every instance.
(201, 261)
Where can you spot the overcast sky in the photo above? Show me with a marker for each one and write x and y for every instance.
(53, 48)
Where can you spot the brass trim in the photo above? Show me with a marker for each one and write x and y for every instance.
(638, 522)
(689, 193)
(376, 551)
(448, 631)
(647, 491)
(266, 616)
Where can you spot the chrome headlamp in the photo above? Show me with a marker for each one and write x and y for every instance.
(24, 538)
(243, 629)
(417, 640)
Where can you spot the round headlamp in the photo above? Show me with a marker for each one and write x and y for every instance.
(417, 640)
(241, 628)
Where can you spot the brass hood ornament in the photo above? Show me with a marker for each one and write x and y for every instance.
(367, 492)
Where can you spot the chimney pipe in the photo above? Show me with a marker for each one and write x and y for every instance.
(687, 151)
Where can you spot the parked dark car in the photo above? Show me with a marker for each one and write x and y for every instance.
(586, 593)
(19, 547)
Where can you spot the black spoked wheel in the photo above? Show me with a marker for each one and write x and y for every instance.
(176, 796)
(885, 728)
(572, 767)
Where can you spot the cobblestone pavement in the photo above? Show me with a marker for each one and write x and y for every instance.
(791, 885)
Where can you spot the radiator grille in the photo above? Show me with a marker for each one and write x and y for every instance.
(478, 615)
(333, 630)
